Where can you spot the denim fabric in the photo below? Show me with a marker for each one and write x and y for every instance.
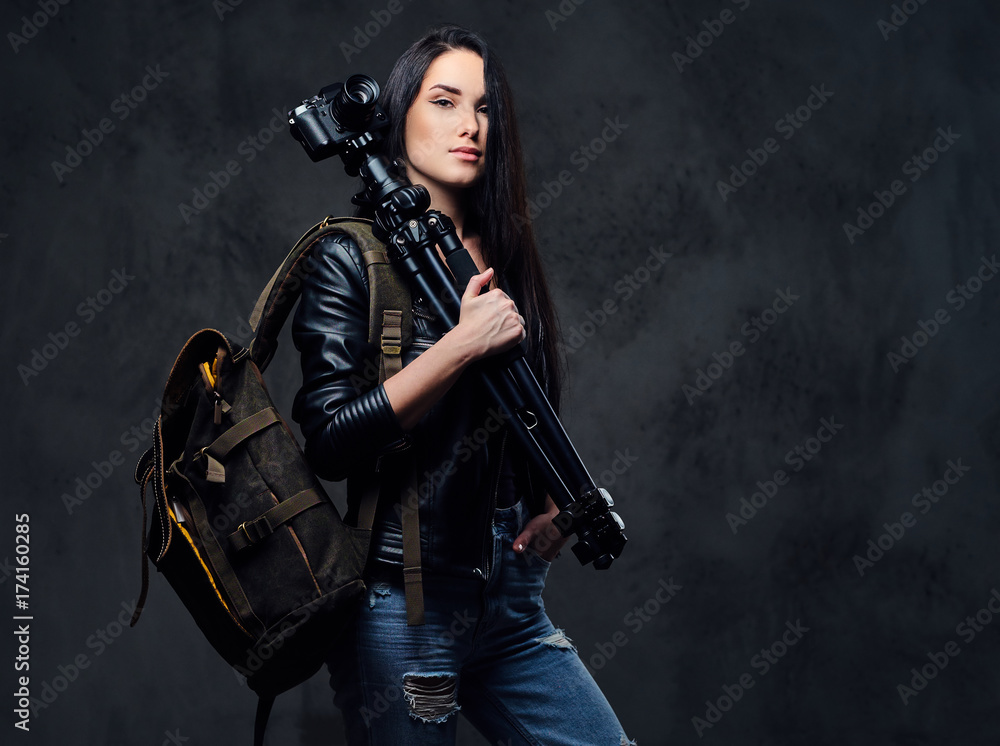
(487, 649)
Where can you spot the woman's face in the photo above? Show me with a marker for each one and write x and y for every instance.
(446, 125)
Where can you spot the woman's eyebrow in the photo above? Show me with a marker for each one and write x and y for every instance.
(450, 89)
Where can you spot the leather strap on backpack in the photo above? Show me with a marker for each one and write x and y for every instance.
(390, 320)
(264, 705)
(275, 303)
(413, 581)
(410, 520)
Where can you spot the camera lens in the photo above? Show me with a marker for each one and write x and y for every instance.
(353, 106)
(361, 88)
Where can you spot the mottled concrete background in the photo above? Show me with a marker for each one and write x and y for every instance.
(770, 327)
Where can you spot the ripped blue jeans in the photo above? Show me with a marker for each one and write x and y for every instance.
(487, 649)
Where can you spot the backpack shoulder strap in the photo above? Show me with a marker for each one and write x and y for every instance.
(387, 290)
(390, 326)
(390, 317)
(264, 707)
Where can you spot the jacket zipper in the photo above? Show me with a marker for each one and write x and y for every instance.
(491, 509)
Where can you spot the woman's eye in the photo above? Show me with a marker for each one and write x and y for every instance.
(484, 110)
(442, 101)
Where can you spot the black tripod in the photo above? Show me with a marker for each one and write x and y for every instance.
(346, 120)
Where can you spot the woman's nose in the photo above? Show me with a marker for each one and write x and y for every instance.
(469, 123)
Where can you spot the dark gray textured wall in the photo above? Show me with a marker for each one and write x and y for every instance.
(698, 451)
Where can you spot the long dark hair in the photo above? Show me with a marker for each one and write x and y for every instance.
(497, 206)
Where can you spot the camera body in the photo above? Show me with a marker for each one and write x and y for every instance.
(343, 119)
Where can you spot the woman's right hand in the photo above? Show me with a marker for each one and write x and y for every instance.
(488, 323)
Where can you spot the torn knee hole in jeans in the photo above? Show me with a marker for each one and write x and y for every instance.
(432, 697)
(381, 589)
(625, 742)
(557, 639)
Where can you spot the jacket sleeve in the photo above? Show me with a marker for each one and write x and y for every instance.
(343, 411)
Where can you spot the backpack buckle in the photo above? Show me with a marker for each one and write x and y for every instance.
(252, 532)
(392, 334)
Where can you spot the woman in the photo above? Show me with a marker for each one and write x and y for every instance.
(486, 537)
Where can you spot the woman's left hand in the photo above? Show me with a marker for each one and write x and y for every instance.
(540, 536)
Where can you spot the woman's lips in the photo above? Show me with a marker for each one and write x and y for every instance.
(465, 155)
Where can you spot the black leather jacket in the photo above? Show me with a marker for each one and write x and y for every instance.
(459, 446)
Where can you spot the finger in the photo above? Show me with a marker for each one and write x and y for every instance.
(522, 541)
(477, 283)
